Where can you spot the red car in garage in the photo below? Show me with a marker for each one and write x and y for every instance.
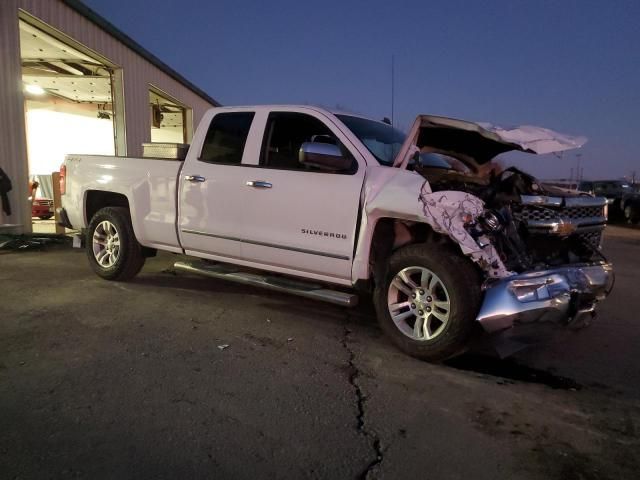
(42, 208)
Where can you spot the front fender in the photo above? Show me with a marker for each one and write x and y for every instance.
(406, 195)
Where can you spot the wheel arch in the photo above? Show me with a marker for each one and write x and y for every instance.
(386, 235)
(97, 199)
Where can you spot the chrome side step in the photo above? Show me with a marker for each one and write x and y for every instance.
(278, 284)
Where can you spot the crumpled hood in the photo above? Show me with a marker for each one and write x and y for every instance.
(478, 143)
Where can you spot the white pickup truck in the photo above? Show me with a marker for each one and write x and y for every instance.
(331, 206)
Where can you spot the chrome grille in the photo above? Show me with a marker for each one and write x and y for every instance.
(536, 213)
(594, 238)
(44, 203)
(581, 218)
(583, 212)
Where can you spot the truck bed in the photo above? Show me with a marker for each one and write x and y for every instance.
(149, 185)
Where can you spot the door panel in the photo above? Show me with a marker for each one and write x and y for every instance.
(210, 211)
(306, 220)
(212, 188)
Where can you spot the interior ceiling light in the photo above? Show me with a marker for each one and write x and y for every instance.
(34, 89)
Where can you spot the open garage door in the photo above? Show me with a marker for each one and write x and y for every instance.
(68, 109)
(169, 119)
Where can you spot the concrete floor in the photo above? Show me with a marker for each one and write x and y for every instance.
(173, 376)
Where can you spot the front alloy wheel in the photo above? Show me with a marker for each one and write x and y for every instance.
(427, 300)
(419, 303)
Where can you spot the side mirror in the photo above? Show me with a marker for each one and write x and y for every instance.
(324, 156)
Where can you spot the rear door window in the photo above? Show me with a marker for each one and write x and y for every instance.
(226, 138)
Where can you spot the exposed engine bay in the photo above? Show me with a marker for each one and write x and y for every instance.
(526, 224)
(531, 226)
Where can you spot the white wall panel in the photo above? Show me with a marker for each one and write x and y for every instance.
(13, 148)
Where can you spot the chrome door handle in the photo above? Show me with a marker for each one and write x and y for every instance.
(258, 184)
(194, 178)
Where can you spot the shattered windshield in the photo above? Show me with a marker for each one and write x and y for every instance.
(382, 140)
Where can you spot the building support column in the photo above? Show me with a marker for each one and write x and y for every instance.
(13, 140)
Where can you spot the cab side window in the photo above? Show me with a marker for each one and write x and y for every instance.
(285, 133)
(226, 138)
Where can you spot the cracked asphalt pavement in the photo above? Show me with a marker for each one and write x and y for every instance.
(178, 376)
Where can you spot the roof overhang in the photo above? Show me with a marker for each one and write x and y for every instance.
(125, 39)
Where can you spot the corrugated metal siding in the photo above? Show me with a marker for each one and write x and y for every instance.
(13, 150)
(138, 72)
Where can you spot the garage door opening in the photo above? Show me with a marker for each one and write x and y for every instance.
(68, 109)
(169, 119)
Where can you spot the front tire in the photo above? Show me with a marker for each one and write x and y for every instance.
(112, 248)
(428, 300)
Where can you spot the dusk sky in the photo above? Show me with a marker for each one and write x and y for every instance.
(573, 66)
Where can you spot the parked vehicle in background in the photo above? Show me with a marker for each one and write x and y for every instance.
(331, 205)
(623, 198)
(42, 208)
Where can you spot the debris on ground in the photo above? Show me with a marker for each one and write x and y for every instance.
(223, 346)
(30, 242)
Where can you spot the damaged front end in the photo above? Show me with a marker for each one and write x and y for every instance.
(538, 246)
(552, 244)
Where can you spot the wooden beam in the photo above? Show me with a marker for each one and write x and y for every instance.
(57, 201)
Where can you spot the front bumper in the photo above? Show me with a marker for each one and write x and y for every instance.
(565, 296)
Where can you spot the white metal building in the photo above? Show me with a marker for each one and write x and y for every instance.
(71, 82)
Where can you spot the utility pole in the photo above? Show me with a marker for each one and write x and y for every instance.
(393, 118)
(578, 172)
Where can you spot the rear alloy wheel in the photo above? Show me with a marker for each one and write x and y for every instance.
(630, 214)
(112, 248)
(106, 244)
(428, 300)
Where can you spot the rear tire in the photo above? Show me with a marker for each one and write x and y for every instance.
(447, 300)
(112, 248)
(631, 214)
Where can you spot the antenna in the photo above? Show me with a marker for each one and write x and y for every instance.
(393, 118)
